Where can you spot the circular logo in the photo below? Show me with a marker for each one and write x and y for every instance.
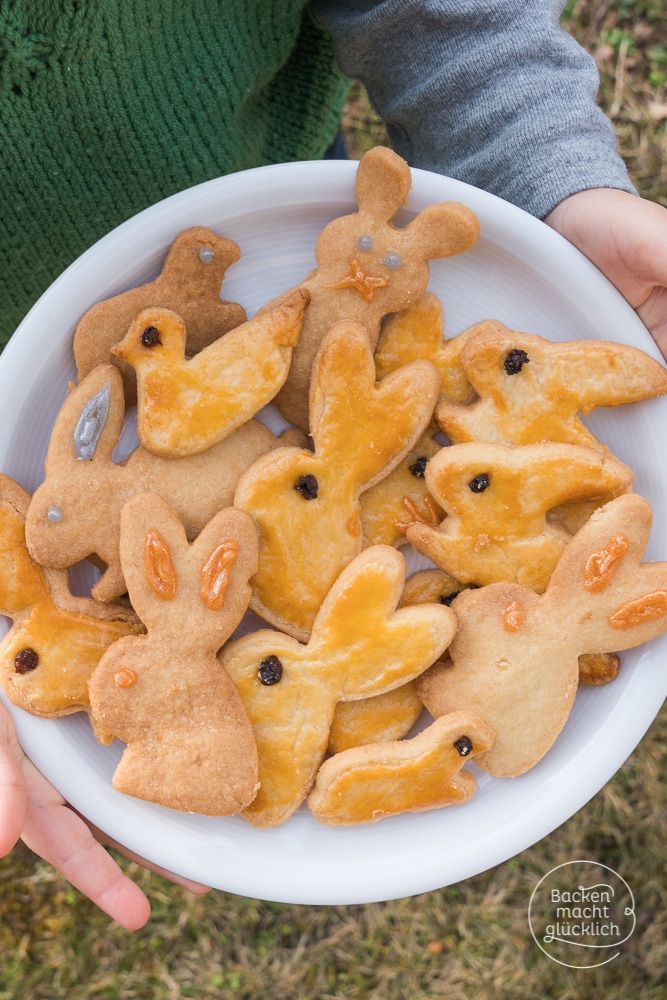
(580, 913)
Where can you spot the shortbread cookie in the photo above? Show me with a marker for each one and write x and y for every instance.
(368, 783)
(419, 332)
(186, 405)
(360, 646)
(56, 639)
(189, 284)
(190, 745)
(531, 389)
(75, 512)
(496, 499)
(515, 657)
(368, 267)
(306, 503)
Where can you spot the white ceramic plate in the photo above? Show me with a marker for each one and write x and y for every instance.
(521, 273)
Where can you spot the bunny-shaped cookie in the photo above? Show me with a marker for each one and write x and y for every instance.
(186, 405)
(496, 499)
(76, 510)
(531, 389)
(367, 783)
(189, 283)
(306, 503)
(360, 645)
(56, 638)
(367, 267)
(515, 658)
(189, 741)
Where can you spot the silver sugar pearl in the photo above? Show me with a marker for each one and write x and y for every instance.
(365, 243)
(206, 255)
(54, 514)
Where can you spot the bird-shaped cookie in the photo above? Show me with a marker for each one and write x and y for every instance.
(189, 283)
(496, 499)
(185, 405)
(532, 389)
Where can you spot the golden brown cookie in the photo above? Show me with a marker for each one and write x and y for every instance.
(75, 512)
(368, 267)
(306, 503)
(515, 658)
(189, 741)
(189, 284)
(531, 389)
(496, 499)
(368, 783)
(56, 638)
(186, 405)
(360, 646)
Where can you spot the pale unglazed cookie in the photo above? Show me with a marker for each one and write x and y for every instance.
(75, 512)
(496, 499)
(515, 658)
(56, 638)
(360, 646)
(368, 267)
(367, 783)
(189, 742)
(419, 332)
(531, 389)
(306, 503)
(186, 405)
(189, 284)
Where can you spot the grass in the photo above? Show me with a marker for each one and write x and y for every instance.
(470, 940)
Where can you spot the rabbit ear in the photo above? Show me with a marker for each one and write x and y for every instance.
(21, 584)
(373, 426)
(89, 422)
(382, 183)
(444, 230)
(370, 646)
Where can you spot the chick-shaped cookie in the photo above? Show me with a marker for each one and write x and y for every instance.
(368, 267)
(306, 503)
(75, 512)
(496, 499)
(367, 783)
(515, 658)
(56, 639)
(419, 332)
(189, 284)
(189, 741)
(186, 405)
(532, 389)
(360, 645)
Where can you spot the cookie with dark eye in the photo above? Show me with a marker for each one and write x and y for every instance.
(496, 500)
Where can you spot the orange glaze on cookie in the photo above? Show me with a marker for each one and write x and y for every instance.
(643, 609)
(514, 616)
(216, 574)
(601, 565)
(125, 678)
(364, 283)
(160, 571)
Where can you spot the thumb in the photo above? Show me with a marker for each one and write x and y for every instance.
(13, 796)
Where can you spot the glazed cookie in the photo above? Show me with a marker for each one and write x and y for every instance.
(186, 405)
(189, 284)
(401, 498)
(75, 512)
(189, 743)
(515, 657)
(360, 646)
(531, 389)
(56, 639)
(368, 267)
(368, 783)
(419, 332)
(306, 503)
(496, 499)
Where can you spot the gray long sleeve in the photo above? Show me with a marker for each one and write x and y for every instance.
(493, 92)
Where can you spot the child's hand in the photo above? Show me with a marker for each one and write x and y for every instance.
(626, 237)
(30, 808)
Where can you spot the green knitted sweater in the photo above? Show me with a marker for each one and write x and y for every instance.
(107, 106)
